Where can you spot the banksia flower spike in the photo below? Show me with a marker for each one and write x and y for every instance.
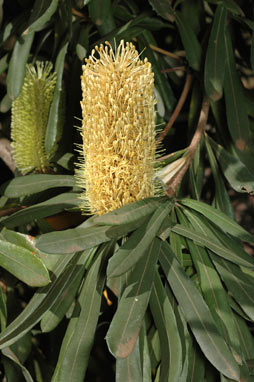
(118, 129)
(30, 111)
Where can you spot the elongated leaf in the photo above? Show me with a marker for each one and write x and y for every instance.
(100, 12)
(239, 284)
(197, 365)
(75, 358)
(126, 324)
(11, 355)
(77, 239)
(205, 241)
(41, 301)
(129, 213)
(56, 313)
(41, 14)
(190, 42)
(17, 65)
(215, 56)
(166, 323)
(34, 183)
(222, 200)
(40, 210)
(238, 175)
(129, 369)
(145, 355)
(237, 115)
(163, 8)
(220, 219)
(246, 338)
(23, 264)
(161, 84)
(198, 315)
(138, 243)
(56, 114)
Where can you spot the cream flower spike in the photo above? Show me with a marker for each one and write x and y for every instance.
(118, 129)
(29, 119)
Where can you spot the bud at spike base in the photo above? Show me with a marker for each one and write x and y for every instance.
(30, 111)
(118, 129)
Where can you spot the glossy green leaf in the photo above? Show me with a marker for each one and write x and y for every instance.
(23, 264)
(190, 42)
(198, 315)
(50, 207)
(57, 109)
(56, 313)
(240, 178)
(76, 355)
(17, 65)
(162, 86)
(40, 302)
(215, 56)
(168, 329)
(129, 369)
(127, 321)
(8, 352)
(246, 338)
(78, 239)
(41, 14)
(219, 218)
(237, 115)
(129, 213)
(222, 200)
(239, 284)
(101, 14)
(219, 249)
(22, 185)
(138, 243)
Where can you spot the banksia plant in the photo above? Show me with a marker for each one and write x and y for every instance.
(30, 112)
(118, 129)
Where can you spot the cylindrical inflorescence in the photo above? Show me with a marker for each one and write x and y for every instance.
(30, 111)
(118, 129)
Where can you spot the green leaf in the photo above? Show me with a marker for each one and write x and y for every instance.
(240, 178)
(73, 361)
(190, 42)
(162, 85)
(129, 369)
(49, 207)
(166, 323)
(77, 239)
(23, 264)
(127, 321)
(17, 65)
(238, 283)
(219, 218)
(56, 114)
(246, 338)
(101, 14)
(22, 185)
(8, 352)
(198, 315)
(5, 104)
(222, 199)
(41, 14)
(129, 213)
(215, 56)
(135, 247)
(56, 313)
(41, 301)
(205, 241)
(197, 364)
(163, 8)
(145, 354)
(236, 108)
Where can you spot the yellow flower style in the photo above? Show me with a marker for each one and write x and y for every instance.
(30, 112)
(118, 129)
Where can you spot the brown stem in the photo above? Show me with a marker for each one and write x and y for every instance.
(171, 189)
(175, 69)
(165, 52)
(177, 110)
